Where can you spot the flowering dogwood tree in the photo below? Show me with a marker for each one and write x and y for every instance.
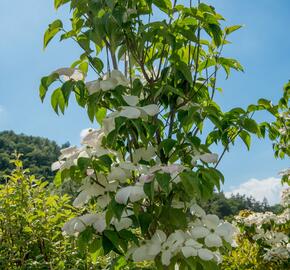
(141, 173)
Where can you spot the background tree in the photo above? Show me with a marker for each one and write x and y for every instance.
(229, 207)
(38, 153)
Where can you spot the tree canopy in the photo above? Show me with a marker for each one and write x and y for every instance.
(38, 153)
(154, 96)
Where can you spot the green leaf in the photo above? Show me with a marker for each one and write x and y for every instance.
(191, 262)
(84, 238)
(113, 237)
(173, 217)
(216, 33)
(84, 163)
(145, 219)
(232, 29)
(128, 236)
(84, 66)
(100, 115)
(58, 101)
(58, 3)
(191, 183)
(66, 89)
(265, 103)
(163, 180)
(117, 209)
(169, 89)
(95, 249)
(185, 70)
(149, 190)
(228, 63)
(45, 83)
(57, 179)
(91, 107)
(108, 246)
(163, 5)
(209, 265)
(213, 137)
(118, 263)
(52, 30)
(167, 145)
(250, 125)
(246, 137)
(97, 63)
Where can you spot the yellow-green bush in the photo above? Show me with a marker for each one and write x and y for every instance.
(30, 226)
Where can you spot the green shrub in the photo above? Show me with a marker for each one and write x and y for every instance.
(30, 226)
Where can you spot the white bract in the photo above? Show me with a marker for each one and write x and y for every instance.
(78, 224)
(160, 243)
(124, 222)
(70, 74)
(144, 153)
(109, 82)
(67, 158)
(130, 193)
(130, 112)
(207, 158)
(100, 189)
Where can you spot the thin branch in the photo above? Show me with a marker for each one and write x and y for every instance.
(108, 61)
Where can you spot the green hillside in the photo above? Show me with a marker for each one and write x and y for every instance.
(38, 153)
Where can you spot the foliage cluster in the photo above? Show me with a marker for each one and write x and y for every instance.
(30, 226)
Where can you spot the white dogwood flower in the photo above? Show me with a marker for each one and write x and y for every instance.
(207, 158)
(116, 77)
(87, 191)
(196, 210)
(108, 124)
(131, 100)
(124, 223)
(118, 174)
(217, 230)
(78, 224)
(67, 158)
(199, 232)
(144, 153)
(160, 243)
(70, 74)
(57, 165)
(109, 82)
(130, 112)
(205, 254)
(132, 193)
(99, 190)
(190, 248)
(69, 152)
(93, 138)
(93, 86)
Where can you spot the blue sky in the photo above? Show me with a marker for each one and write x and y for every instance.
(262, 46)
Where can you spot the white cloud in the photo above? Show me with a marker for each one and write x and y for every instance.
(269, 188)
(1, 109)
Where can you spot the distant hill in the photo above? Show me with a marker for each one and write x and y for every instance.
(38, 153)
